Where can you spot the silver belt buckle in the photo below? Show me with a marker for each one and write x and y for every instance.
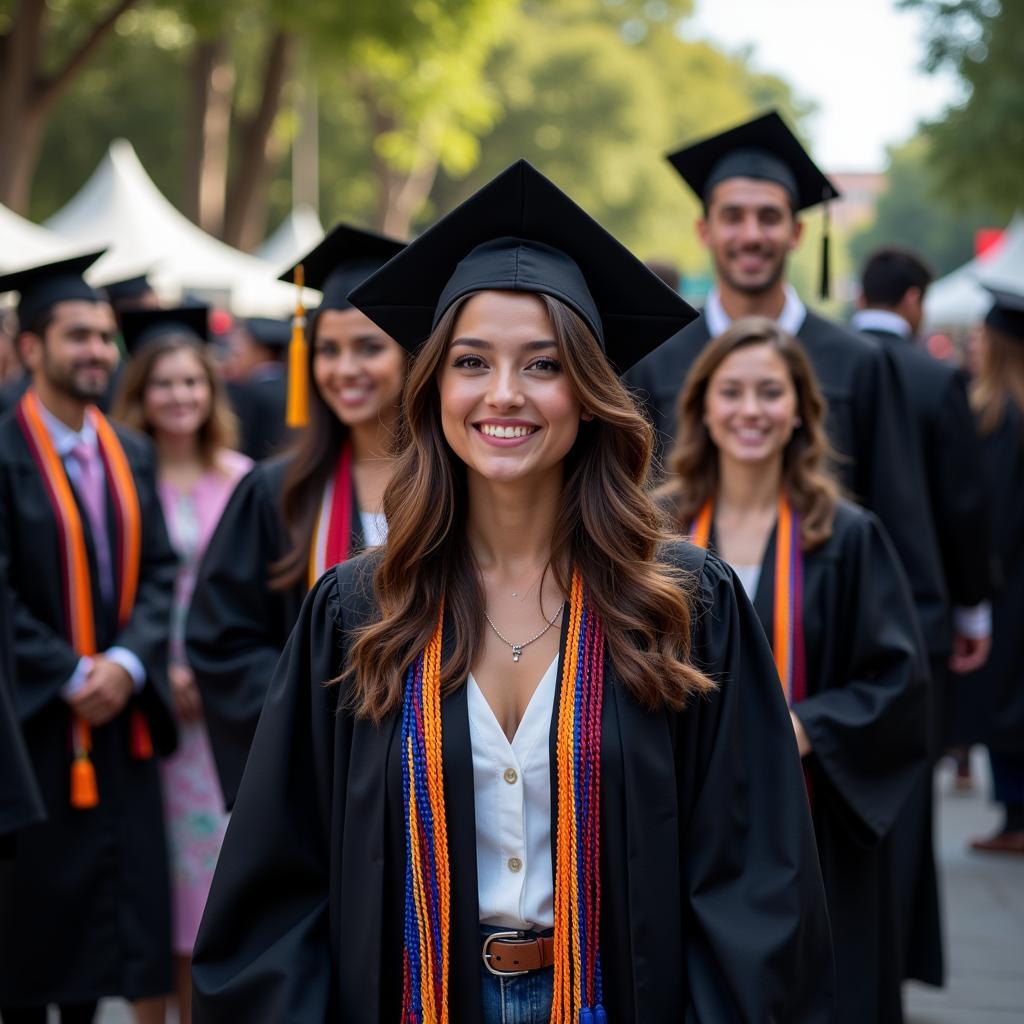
(518, 936)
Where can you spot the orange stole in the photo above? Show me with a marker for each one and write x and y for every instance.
(77, 583)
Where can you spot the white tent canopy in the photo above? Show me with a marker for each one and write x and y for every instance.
(24, 244)
(120, 207)
(294, 237)
(959, 300)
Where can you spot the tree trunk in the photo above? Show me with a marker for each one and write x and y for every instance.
(245, 214)
(20, 133)
(208, 133)
(408, 196)
(399, 196)
(27, 97)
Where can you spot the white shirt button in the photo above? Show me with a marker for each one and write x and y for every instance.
(515, 864)
(511, 776)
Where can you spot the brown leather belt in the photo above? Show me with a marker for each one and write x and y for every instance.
(509, 953)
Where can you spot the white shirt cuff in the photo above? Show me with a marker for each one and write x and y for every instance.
(974, 622)
(77, 680)
(129, 661)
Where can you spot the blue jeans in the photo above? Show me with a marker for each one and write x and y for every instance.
(518, 999)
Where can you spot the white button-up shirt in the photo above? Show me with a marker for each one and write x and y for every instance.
(512, 796)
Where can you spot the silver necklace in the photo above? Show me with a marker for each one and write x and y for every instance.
(517, 649)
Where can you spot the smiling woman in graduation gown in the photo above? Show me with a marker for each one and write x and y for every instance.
(295, 515)
(830, 593)
(706, 883)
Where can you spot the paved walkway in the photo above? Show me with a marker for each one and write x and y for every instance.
(984, 911)
(984, 914)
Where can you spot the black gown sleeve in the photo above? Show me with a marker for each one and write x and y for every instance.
(43, 660)
(263, 949)
(868, 729)
(20, 801)
(237, 626)
(891, 481)
(962, 514)
(759, 947)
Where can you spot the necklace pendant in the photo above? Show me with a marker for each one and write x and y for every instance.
(517, 652)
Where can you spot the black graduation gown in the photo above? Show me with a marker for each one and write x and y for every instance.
(712, 906)
(865, 715)
(237, 626)
(20, 801)
(260, 406)
(84, 904)
(990, 702)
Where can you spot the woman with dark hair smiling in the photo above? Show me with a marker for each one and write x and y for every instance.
(749, 478)
(554, 779)
(296, 515)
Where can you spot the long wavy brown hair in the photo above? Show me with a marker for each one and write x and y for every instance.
(1000, 378)
(312, 459)
(607, 526)
(693, 462)
(220, 429)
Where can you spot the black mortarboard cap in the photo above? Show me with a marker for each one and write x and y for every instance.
(344, 259)
(139, 327)
(520, 232)
(44, 286)
(129, 288)
(270, 332)
(1007, 312)
(766, 149)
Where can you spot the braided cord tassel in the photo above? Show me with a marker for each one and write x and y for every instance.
(427, 876)
(577, 984)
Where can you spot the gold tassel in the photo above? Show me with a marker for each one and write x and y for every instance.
(297, 414)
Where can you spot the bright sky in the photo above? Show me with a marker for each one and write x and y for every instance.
(859, 60)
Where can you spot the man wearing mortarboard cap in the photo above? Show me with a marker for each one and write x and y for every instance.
(84, 904)
(753, 180)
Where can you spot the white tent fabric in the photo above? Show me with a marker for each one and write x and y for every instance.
(120, 207)
(959, 300)
(24, 244)
(294, 237)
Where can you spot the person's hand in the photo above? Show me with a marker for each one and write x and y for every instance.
(803, 741)
(969, 653)
(105, 693)
(188, 705)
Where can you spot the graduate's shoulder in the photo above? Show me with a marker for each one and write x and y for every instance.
(346, 590)
(853, 529)
(265, 481)
(137, 445)
(702, 574)
(824, 337)
(663, 367)
(12, 441)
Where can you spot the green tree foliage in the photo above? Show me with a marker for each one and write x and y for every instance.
(914, 212)
(595, 95)
(978, 146)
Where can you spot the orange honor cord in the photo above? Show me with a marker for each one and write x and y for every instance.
(700, 532)
(781, 624)
(787, 637)
(77, 582)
